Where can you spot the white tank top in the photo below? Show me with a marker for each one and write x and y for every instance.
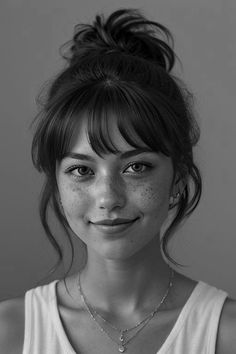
(195, 330)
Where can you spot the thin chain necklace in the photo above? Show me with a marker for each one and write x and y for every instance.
(122, 344)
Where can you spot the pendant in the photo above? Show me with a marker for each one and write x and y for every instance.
(121, 349)
(121, 337)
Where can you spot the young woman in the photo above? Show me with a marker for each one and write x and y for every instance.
(115, 141)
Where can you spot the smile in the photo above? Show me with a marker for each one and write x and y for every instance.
(110, 229)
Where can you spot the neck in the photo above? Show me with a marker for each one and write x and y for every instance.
(126, 285)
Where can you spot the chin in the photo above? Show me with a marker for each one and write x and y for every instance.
(123, 251)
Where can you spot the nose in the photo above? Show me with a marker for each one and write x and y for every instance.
(110, 193)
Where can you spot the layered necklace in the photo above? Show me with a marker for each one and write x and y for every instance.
(122, 344)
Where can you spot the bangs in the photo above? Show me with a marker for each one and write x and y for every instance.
(138, 120)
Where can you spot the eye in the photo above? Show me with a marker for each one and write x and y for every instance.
(82, 171)
(78, 171)
(139, 167)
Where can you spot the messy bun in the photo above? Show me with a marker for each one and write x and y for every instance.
(125, 31)
(120, 65)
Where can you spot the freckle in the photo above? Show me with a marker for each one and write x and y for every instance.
(75, 188)
(148, 192)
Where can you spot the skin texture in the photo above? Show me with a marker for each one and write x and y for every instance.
(109, 189)
(118, 265)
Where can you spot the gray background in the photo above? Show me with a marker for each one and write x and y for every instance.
(31, 33)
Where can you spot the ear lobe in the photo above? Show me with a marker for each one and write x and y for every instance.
(177, 190)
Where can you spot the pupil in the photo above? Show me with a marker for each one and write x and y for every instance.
(83, 170)
(135, 165)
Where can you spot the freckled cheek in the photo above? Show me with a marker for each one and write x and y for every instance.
(75, 200)
(154, 197)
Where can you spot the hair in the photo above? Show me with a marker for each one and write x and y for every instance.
(121, 65)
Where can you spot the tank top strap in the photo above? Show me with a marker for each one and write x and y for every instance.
(41, 334)
(195, 330)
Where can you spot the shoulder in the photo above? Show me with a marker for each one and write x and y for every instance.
(12, 325)
(226, 339)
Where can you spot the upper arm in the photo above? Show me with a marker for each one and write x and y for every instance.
(226, 339)
(12, 326)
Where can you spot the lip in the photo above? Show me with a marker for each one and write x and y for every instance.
(110, 229)
(111, 222)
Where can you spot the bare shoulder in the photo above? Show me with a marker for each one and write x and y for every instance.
(226, 340)
(12, 326)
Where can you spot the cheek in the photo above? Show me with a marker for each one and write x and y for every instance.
(74, 199)
(154, 197)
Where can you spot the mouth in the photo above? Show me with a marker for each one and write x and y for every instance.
(115, 227)
(111, 222)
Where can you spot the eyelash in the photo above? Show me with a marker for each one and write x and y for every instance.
(73, 168)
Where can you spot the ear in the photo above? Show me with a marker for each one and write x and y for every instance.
(180, 181)
(178, 186)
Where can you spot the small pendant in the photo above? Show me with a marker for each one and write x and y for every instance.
(121, 349)
(121, 337)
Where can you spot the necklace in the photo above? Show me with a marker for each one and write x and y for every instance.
(122, 344)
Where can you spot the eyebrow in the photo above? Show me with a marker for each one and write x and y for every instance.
(125, 155)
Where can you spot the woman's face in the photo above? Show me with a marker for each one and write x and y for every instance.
(134, 186)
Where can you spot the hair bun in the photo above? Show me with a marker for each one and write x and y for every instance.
(126, 31)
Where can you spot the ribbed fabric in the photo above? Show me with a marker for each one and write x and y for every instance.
(194, 332)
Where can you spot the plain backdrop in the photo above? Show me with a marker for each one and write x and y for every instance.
(30, 35)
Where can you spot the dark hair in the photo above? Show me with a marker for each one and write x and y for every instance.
(122, 65)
